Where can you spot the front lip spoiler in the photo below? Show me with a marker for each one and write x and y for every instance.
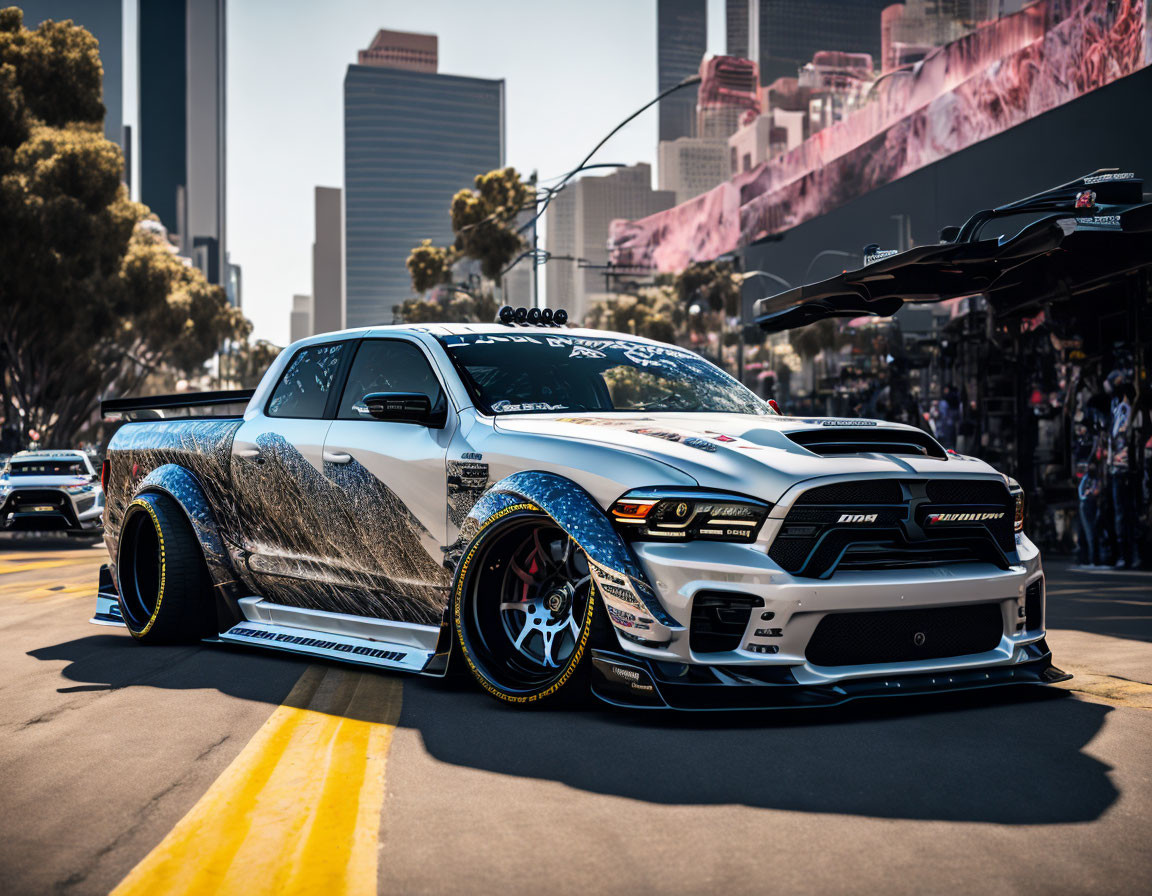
(641, 685)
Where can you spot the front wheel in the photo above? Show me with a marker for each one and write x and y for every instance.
(523, 606)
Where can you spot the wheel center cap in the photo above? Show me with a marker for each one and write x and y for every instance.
(554, 602)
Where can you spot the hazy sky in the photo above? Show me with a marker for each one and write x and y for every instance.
(572, 71)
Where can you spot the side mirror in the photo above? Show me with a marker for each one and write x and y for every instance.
(403, 407)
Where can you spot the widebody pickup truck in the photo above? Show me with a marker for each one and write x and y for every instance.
(555, 509)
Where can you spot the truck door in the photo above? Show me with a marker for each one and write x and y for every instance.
(392, 479)
(282, 498)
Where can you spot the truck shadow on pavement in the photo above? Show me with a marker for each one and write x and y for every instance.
(1010, 756)
(108, 662)
(1004, 756)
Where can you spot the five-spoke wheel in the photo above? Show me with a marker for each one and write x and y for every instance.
(523, 607)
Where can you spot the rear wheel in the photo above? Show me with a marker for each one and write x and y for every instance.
(162, 579)
(523, 608)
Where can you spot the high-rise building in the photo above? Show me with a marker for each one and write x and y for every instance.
(579, 219)
(690, 166)
(791, 32)
(412, 139)
(301, 322)
(402, 49)
(681, 36)
(182, 119)
(327, 262)
(162, 124)
(203, 233)
(736, 28)
(104, 19)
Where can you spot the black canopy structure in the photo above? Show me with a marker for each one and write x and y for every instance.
(1057, 244)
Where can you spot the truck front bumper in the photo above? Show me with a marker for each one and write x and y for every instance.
(969, 625)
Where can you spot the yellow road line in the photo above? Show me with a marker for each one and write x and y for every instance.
(298, 811)
(40, 589)
(39, 564)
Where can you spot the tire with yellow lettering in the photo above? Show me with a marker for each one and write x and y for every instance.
(523, 608)
(165, 593)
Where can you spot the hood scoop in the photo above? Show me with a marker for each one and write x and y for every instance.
(836, 442)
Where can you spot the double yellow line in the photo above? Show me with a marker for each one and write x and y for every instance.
(298, 811)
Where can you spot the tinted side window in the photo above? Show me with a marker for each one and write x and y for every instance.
(303, 389)
(386, 365)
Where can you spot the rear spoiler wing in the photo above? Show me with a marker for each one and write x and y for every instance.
(163, 407)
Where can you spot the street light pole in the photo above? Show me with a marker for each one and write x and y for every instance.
(583, 166)
(687, 82)
(535, 250)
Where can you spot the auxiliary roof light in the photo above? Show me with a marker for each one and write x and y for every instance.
(532, 317)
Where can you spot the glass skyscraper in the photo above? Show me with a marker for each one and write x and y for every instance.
(411, 141)
(681, 38)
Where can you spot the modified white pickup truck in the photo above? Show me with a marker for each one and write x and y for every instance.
(560, 508)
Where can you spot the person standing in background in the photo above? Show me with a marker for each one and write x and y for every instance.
(1119, 469)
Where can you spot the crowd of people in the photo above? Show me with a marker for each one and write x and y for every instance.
(1112, 457)
(1078, 437)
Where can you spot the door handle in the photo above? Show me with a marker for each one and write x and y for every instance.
(336, 457)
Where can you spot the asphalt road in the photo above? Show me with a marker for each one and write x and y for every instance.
(209, 769)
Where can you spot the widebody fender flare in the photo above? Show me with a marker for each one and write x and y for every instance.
(182, 486)
(632, 604)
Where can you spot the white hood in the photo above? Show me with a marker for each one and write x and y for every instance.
(747, 454)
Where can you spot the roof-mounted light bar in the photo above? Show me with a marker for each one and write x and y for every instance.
(532, 317)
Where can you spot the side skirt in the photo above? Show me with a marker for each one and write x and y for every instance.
(396, 646)
(342, 648)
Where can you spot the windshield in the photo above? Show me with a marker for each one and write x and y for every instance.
(47, 468)
(540, 374)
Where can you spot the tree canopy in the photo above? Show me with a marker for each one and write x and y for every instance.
(448, 306)
(92, 295)
(652, 311)
(484, 228)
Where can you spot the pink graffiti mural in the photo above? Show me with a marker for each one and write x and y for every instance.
(999, 76)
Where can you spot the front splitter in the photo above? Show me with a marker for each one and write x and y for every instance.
(623, 680)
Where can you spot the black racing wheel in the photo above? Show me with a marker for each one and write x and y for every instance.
(524, 605)
(165, 593)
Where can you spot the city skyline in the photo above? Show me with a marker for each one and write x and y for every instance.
(275, 162)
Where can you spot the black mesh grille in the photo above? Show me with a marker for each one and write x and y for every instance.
(874, 491)
(864, 525)
(967, 491)
(871, 556)
(899, 636)
(790, 553)
(29, 497)
(1034, 606)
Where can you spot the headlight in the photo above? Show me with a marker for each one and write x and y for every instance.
(79, 489)
(1018, 495)
(681, 515)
